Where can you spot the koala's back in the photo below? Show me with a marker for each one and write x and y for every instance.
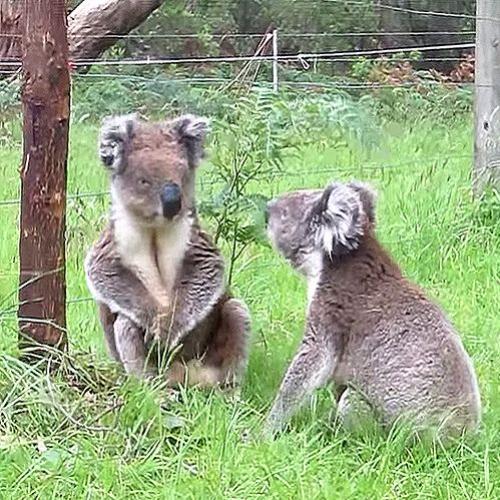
(405, 356)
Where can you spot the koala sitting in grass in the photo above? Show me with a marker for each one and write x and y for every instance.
(155, 274)
(390, 352)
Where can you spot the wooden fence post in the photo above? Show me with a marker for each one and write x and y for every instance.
(45, 100)
(487, 96)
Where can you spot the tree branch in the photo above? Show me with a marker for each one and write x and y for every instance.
(89, 26)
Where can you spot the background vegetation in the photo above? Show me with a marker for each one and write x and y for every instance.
(364, 23)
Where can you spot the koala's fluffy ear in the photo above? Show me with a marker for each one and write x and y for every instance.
(345, 209)
(191, 132)
(116, 133)
(368, 198)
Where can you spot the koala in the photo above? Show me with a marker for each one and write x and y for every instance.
(156, 276)
(390, 352)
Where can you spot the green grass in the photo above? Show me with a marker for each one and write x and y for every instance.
(88, 432)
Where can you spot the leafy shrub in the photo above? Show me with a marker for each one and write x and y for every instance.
(9, 106)
(249, 141)
(334, 116)
(247, 147)
(400, 92)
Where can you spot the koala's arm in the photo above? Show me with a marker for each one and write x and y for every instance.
(312, 367)
(117, 287)
(199, 288)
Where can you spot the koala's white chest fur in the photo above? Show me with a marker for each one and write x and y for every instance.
(170, 246)
(154, 254)
(311, 267)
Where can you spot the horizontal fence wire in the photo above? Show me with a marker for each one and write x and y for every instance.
(407, 10)
(215, 80)
(249, 266)
(297, 57)
(182, 36)
(291, 174)
(325, 85)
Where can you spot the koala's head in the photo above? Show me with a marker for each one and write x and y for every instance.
(153, 165)
(306, 225)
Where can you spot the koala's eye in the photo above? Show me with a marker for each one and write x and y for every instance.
(144, 182)
(284, 213)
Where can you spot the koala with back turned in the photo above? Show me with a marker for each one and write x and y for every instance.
(390, 352)
(155, 274)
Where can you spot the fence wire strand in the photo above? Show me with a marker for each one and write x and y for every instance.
(407, 10)
(183, 36)
(425, 162)
(297, 57)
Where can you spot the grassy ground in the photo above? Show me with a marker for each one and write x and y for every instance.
(89, 432)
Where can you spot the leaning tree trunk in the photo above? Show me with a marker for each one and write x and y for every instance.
(93, 21)
(89, 26)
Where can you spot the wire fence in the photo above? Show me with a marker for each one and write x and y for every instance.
(423, 162)
(180, 36)
(301, 58)
(305, 60)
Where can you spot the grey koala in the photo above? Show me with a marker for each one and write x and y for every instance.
(390, 352)
(155, 274)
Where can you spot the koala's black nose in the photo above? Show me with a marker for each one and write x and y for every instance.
(171, 200)
(108, 160)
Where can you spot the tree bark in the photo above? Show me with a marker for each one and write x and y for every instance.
(89, 26)
(46, 101)
(91, 23)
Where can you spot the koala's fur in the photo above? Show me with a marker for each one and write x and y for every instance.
(390, 352)
(158, 280)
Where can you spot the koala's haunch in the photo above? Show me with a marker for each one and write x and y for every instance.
(392, 352)
(157, 277)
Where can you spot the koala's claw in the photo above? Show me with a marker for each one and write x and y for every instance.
(269, 431)
(159, 328)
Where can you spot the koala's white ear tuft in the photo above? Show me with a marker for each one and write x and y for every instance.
(368, 197)
(192, 131)
(116, 133)
(342, 219)
(192, 127)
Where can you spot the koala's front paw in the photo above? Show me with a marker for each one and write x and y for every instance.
(193, 373)
(267, 434)
(159, 327)
(272, 427)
